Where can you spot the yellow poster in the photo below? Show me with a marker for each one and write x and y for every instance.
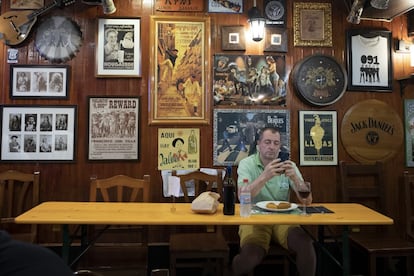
(178, 148)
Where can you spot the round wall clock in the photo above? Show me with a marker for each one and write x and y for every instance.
(274, 10)
(58, 39)
(320, 80)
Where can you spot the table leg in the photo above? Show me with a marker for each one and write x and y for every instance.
(345, 252)
(65, 243)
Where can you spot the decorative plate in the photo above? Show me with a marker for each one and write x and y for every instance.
(58, 39)
(262, 205)
(320, 80)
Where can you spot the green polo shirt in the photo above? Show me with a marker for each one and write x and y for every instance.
(277, 188)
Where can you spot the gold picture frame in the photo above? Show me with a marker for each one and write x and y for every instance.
(312, 24)
(179, 66)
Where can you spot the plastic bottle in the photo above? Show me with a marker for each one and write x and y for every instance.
(245, 199)
(229, 196)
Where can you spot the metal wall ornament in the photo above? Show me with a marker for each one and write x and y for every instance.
(58, 39)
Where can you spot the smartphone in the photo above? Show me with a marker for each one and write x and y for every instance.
(283, 156)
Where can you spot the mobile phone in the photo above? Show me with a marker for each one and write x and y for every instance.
(283, 156)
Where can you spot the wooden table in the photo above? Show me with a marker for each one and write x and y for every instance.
(105, 213)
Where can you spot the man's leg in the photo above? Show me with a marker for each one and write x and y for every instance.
(300, 243)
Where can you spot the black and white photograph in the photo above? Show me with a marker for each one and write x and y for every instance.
(113, 128)
(236, 132)
(369, 60)
(39, 81)
(31, 133)
(318, 138)
(118, 48)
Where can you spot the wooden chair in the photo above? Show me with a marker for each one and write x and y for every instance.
(206, 250)
(364, 183)
(408, 192)
(18, 192)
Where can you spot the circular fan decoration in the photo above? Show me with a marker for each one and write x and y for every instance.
(58, 39)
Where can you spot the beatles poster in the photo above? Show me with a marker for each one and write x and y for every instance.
(249, 80)
(178, 148)
(318, 138)
(236, 132)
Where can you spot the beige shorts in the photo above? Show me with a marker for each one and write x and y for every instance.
(262, 235)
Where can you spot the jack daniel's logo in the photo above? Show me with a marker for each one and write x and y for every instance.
(372, 123)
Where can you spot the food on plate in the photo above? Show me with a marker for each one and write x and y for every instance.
(280, 205)
(271, 205)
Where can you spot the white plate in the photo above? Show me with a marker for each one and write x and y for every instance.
(262, 205)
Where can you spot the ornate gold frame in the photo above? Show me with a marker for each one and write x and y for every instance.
(312, 24)
(190, 35)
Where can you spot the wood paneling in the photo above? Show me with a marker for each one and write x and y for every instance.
(70, 181)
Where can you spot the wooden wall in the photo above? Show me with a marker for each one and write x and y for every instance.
(70, 181)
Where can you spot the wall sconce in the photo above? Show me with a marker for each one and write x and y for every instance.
(257, 23)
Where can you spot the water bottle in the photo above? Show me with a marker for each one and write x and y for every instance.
(245, 199)
(229, 196)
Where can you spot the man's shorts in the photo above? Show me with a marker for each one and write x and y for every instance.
(262, 235)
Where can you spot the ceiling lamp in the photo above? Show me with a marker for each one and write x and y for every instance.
(380, 4)
(257, 23)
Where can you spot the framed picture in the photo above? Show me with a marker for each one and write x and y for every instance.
(180, 6)
(318, 138)
(265, 83)
(118, 47)
(312, 24)
(235, 130)
(276, 40)
(179, 66)
(409, 132)
(113, 128)
(39, 81)
(232, 38)
(38, 133)
(26, 5)
(234, 6)
(369, 60)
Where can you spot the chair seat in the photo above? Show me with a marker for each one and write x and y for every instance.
(198, 243)
(383, 244)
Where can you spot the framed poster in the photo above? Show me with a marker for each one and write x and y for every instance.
(318, 138)
(409, 132)
(26, 5)
(249, 80)
(118, 47)
(39, 81)
(113, 128)
(179, 66)
(232, 38)
(178, 148)
(369, 60)
(180, 6)
(312, 24)
(38, 133)
(276, 40)
(234, 6)
(234, 132)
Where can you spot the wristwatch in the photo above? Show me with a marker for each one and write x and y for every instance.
(319, 80)
(275, 12)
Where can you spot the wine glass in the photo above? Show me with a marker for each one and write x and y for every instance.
(304, 190)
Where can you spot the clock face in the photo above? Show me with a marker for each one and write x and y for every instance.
(320, 80)
(274, 10)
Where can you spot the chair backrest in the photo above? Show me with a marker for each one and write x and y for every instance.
(120, 188)
(202, 182)
(18, 192)
(363, 183)
(408, 198)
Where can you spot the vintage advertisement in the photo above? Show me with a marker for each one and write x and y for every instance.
(113, 128)
(235, 132)
(249, 80)
(318, 138)
(178, 148)
(409, 131)
(179, 6)
(179, 83)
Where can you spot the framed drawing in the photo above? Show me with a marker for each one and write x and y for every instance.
(179, 66)
(234, 6)
(113, 128)
(369, 60)
(409, 132)
(234, 132)
(318, 138)
(38, 133)
(265, 83)
(118, 47)
(312, 24)
(26, 5)
(39, 81)
(276, 40)
(232, 38)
